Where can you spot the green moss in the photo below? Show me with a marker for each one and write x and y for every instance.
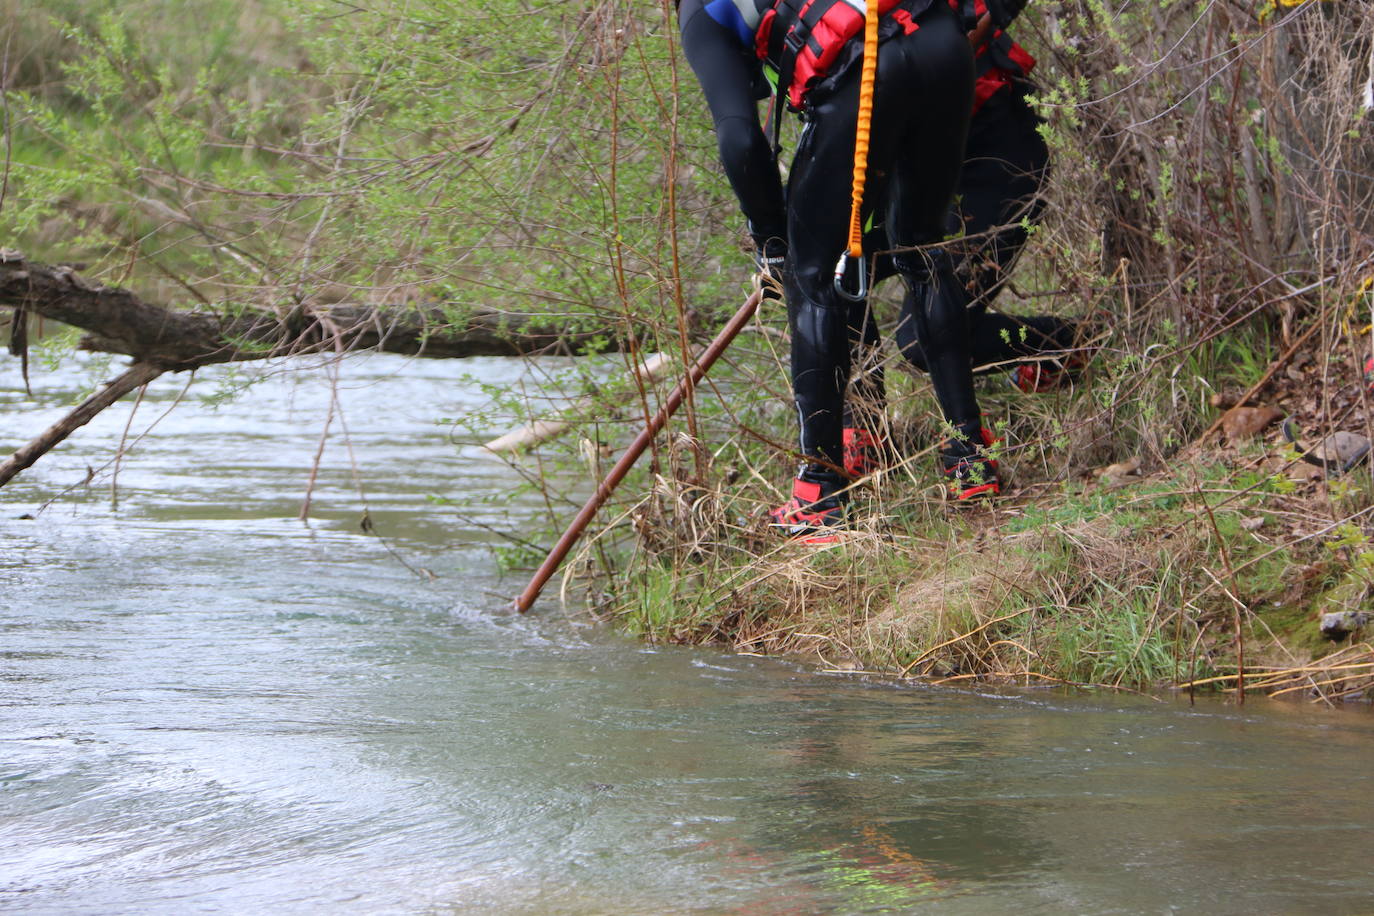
(1294, 625)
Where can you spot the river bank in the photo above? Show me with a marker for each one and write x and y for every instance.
(1211, 572)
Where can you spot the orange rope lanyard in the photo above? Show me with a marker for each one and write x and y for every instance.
(862, 133)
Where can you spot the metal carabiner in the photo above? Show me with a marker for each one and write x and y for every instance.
(842, 268)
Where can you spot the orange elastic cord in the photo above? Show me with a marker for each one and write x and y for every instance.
(861, 135)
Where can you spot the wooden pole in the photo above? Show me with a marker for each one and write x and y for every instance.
(622, 467)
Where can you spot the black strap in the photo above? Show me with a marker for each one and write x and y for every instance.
(779, 102)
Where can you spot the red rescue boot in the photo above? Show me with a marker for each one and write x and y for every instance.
(1049, 374)
(812, 516)
(863, 452)
(970, 471)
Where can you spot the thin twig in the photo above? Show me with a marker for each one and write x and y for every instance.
(119, 452)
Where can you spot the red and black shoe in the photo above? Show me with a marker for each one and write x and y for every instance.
(863, 452)
(970, 471)
(812, 516)
(1048, 374)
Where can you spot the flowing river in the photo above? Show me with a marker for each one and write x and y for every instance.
(210, 706)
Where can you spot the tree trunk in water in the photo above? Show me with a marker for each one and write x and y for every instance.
(163, 339)
(117, 321)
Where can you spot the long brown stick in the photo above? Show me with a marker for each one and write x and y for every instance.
(637, 447)
(135, 376)
(1264, 380)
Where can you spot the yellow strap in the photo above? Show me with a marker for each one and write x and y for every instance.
(861, 135)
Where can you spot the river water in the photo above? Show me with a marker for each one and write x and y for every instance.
(209, 706)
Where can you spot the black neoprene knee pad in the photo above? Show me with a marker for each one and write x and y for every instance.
(934, 314)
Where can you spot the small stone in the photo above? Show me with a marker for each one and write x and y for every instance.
(1342, 448)
(1340, 624)
(1252, 524)
(1303, 472)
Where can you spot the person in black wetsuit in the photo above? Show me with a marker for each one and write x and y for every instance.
(922, 100)
(1005, 163)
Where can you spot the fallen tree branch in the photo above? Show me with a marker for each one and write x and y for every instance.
(162, 339)
(118, 321)
(135, 376)
(1274, 367)
(537, 431)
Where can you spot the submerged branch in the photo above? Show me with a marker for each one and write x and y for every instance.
(135, 376)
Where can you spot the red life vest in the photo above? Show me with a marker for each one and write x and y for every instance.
(802, 39)
(999, 61)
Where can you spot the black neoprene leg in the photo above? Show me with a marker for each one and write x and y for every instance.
(996, 339)
(1005, 163)
(825, 327)
(934, 323)
(923, 176)
(820, 370)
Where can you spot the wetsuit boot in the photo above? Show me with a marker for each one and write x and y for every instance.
(969, 468)
(815, 513)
